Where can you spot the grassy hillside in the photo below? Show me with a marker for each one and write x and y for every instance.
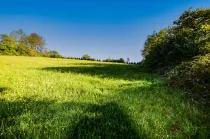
(60, 98)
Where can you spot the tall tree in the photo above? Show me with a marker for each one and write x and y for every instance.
(36, 42)
(18, 35)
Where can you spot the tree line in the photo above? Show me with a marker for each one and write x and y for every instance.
(19, 43)
(120, 60)
(87, 57)
(182, 51)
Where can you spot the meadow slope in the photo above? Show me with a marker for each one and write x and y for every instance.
(61, 98)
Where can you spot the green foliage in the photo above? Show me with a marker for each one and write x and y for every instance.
(86, 57)
(25, 50)
(36, 42)
(194, 75)
(53, 54)
(153, 40)
(108, 59)
(18, 43)
(189, 37)
(121, 60)
(153, 50)
(182, 51)
(8, 45)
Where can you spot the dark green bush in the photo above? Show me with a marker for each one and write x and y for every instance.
(188, 37)
(182, 52)
(194, 75)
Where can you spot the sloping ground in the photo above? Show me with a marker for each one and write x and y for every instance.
(60, 98)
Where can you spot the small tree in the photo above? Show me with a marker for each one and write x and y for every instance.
(86, 57)
(108, 59)
(128, 60)
(121, 60)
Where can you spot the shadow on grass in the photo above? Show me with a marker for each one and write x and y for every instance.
(105, 121)
(95, 121)
(116, 71)
(11, 110)
(2, 89)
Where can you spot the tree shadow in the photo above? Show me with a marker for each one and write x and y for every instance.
(104, 121)
(116, 71)
(93, 120)
(11, 110)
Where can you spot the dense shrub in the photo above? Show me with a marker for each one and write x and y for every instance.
(187, 38)
(194, 75)
(182, 52)
(53, 54)
(8, 45)
(25, 50)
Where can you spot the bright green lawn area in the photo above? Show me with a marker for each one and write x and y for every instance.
(61, 98)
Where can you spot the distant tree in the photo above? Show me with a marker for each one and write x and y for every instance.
(128, 60)
(121, 60)
(86, 57)
(54, 54)
(108, 59)
(19, 36)
(93, 59)
(18, 43)
(36, 42)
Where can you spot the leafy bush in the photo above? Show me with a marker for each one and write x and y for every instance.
(24, 50)
(194, 75)
(54, 54)
(187, 38)
(182, 52)
(8, 45)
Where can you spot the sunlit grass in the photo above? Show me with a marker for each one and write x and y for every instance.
(60, 98)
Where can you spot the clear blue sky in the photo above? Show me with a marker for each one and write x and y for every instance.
(100, 28)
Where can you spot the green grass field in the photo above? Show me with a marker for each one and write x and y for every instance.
(61, 98)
